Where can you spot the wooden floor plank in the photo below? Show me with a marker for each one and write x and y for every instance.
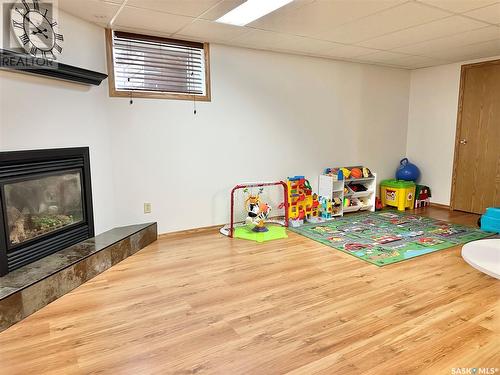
(206, 304)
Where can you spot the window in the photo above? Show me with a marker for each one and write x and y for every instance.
(143, 66)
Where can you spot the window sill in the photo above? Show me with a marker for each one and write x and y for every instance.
(157, 95)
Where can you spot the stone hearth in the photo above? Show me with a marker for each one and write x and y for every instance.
(28, 289)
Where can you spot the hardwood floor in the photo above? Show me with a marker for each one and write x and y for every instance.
(206, 304)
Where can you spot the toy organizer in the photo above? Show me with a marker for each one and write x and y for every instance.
(349, 195)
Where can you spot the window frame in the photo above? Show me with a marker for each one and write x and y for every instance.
(113, 92)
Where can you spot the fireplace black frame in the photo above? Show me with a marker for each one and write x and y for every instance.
(24, 165)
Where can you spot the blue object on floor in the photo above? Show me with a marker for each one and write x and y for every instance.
(490, 221)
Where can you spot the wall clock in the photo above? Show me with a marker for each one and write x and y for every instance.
(35, 29)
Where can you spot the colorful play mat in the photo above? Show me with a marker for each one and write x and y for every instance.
(387, 237)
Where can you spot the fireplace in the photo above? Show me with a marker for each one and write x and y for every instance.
(46, 203)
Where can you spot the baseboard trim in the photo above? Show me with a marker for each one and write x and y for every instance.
(439, 205)
(192, 231)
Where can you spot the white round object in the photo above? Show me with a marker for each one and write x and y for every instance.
(483, 255)
(35, 29)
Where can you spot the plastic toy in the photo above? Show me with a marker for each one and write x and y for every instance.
(356, 173)
(490, 221)
(397, 193)
(302, 203)
(314, 215)
(257, 211)
(346, 172)
(325, 208)
(357, 187)
(407, 171)
(422, 196)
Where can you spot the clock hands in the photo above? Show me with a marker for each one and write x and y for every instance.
(39, 30)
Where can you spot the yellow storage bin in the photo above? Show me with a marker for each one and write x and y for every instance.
(397, 193)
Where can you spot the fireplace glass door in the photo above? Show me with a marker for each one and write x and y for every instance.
(41, 205)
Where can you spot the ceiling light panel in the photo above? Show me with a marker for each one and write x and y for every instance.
(251, 10)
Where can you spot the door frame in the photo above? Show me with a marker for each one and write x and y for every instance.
(463, 72)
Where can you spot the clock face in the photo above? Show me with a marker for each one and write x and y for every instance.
(35, 29)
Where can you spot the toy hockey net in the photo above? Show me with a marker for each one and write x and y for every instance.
(273, 193)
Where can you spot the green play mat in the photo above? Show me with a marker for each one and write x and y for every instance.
(275, 232)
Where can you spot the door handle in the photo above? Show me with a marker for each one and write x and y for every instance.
(463, 141)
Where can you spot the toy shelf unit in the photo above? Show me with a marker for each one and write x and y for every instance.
(275, 193)
(349, 195)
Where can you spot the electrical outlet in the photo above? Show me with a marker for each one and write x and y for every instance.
(147, 208)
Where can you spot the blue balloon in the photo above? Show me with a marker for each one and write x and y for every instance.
(407, 171)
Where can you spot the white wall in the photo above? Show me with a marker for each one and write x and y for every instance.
(42, 113)
(272, 115)
(431, 126)
(432, 119)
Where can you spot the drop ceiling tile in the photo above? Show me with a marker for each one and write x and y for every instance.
(385, 57)
(458, 6)
(96, 11)
(423, 62)
(137, 18)
(304, 45)
(397, 18)
(311, 19)
(469, 52)
(220, 9)
(191, 8)
(489, 14)
(208, 31)
(454, 41)
(413, 62)
(260, 39)
(432, 30)
(347, 51)
(283, 42)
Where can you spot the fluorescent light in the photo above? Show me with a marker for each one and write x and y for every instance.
(251, 10)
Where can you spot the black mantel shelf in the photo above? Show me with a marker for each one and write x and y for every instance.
(25, 63)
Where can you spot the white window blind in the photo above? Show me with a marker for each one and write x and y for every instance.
(148, 63)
